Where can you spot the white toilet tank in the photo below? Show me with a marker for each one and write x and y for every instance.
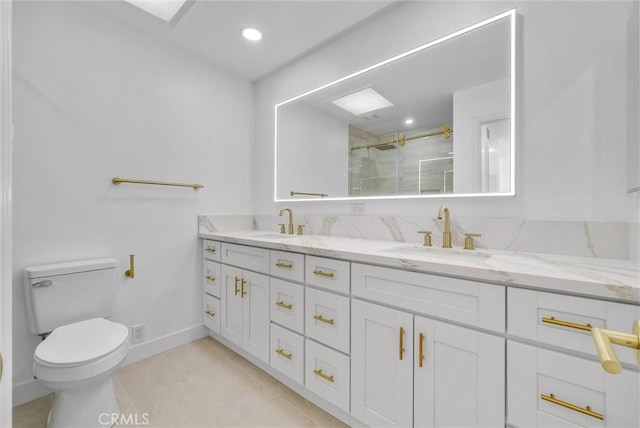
(64, 293)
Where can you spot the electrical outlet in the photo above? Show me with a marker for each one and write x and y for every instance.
(357, 209)
(137, 334)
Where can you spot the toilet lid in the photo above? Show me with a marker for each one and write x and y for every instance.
(81, 342)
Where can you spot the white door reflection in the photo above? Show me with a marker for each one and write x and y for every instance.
(495, 163)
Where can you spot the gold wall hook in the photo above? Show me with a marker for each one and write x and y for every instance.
(603, 340)
(131, 272)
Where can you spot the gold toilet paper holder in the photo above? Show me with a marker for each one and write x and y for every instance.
(603, 340)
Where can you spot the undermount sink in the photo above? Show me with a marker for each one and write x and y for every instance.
(439, 252)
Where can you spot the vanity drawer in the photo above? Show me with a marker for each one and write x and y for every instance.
(534, 373)
(287, 265)
(211, 250)
(328, 319)
(287, 304)
(287, 353)
(565, 321)
(327, 374)
(246, 257)
(468, 302)
(211, 313)
(211, 277)
(327, 273)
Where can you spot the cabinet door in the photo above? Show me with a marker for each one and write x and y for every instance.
(231, 305)
(255, 311)
(381, 365)
(456, 365)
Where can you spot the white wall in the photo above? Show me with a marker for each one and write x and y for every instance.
(572, 96)
(93, 100)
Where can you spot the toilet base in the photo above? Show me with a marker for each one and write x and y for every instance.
(90, 406)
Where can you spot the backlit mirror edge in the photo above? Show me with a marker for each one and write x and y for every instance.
(512, 15)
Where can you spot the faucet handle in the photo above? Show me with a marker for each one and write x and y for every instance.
(300, 226)
(427, 237)
(282, 230)
(468, 240)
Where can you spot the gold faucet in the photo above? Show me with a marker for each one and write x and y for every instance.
(282, 211)
(446, 235)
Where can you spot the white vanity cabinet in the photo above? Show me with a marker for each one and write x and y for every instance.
(414, 371)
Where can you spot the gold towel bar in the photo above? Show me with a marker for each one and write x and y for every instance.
(117, 180)
(322, 195)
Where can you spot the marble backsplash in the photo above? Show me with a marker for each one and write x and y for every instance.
(605, 239)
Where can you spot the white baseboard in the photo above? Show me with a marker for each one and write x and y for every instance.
(33, 389)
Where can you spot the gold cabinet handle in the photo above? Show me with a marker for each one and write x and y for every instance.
(210, 278)
(323, 319)
(318, 372)
(401, 344)
(323, 273)
(552, 320)
(242, 291)
(603, 340)
(584, 410)
(284, 305)
(284, 265)
(210, 313)
(280, 351)
(210, 250)
(235, 286)
(420, 349)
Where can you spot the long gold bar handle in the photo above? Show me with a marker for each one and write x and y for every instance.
(584, 410)
(242, 291)
(131, 272)
(210, 313)
(322, 195)
(420, 349)
(401, 343)
(603, 340)
(323, 273)
(235, 287)
(284, 265)
(552, 320)
(323, 319)
(117, 180)
(284, 305)
(284, 354)
(318, 372)
(210, 278)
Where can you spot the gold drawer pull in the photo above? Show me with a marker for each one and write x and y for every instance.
(210, 278)
(420, 349)
(318, 372)
(210, 313)
(552, 320)
(210, 250)
(401, 344)
(284, 265)
(323, 319)
(235, 286)
(284, 305)
(284, 354)
(323, 273)
(242, 292)
(584, 410)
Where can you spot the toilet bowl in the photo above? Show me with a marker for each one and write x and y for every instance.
(77, 362)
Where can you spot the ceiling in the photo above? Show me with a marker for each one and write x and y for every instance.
(210, 29)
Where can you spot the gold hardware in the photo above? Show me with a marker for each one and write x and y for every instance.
(401, 344)
(322, 195)
(235, 286)
(552, 320)
(284, 305)
(427, 238)
(420, 349)
(282, 230)
(210, 313)
(300, 226)
(603, 340)
(242, 292)
(210, 250)
(584, 410)
(468, 240)
(284, 265)
(117, 181)
(210, 278)
(1, 366)
(446, 133)
(446, 235)
(282, 211)
(323, 273)
(318, 372)
(323, 319)
(284, 354)
(131, 272)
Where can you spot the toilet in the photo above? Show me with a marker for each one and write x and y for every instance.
(69, 303)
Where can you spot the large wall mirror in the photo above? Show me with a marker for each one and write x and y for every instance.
(436, 121)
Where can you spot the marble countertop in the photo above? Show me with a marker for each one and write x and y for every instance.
(594, 277)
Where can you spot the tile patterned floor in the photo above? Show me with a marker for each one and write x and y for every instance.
(200, 384)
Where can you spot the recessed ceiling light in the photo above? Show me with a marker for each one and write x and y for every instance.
(251, 33)
(408, 121)
(362, 102)
(163, 9)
